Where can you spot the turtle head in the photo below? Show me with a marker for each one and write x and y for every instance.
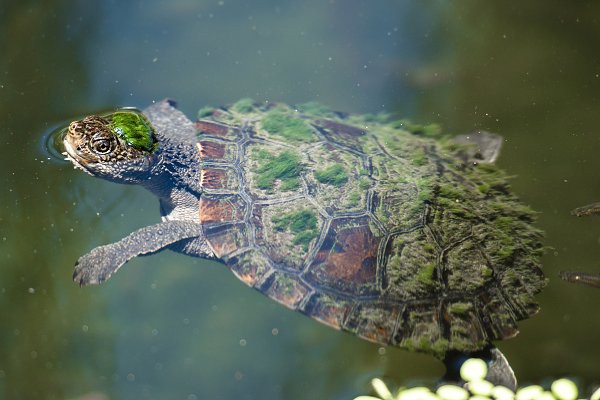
(116, 146)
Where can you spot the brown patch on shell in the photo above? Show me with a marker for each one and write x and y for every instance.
(250, 267)
(211, 149)
(287, 290)
(212, 178)
(342, 129)
(347, 259)
(225, 240)
(218, 210)
(211, 128)
(356, 258)
(327, 310)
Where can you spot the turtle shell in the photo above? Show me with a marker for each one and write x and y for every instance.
(376, 228)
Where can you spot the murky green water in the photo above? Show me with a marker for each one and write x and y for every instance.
(180, 328)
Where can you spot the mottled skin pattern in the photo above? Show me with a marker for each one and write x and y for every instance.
(386, 230)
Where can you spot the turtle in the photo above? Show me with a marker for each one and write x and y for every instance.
(585, 278)
(389, 230)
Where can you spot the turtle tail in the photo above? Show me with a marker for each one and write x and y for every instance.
(499, 370)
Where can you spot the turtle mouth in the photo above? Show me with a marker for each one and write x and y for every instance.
(71, 155)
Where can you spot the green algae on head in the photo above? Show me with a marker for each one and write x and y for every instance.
(99, 143)
(133, 127)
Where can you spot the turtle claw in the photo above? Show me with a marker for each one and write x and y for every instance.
(96, 266)
(86, 276)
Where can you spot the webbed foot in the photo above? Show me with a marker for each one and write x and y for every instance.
(590, 209)
(96, 266)
(99, 264)
(485, 146)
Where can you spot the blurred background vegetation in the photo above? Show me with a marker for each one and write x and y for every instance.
(177, 327)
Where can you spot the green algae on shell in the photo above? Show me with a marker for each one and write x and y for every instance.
(285, 167)
(333, 175)
(388, 231)
(281, 123)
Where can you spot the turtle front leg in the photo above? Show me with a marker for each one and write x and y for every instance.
(103, 261)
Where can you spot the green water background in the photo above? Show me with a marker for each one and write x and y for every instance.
(174, 327)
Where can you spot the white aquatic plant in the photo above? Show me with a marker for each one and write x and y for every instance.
(473, 372)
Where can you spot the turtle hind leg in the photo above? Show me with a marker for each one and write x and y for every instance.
(590, 209)
(484, 147)
(584, 278)
(499, 370)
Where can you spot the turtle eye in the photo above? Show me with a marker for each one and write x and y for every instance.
(101, 146)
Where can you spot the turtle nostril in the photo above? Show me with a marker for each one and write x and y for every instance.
(75, 129)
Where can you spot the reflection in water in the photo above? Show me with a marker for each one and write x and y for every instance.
(52, 143)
